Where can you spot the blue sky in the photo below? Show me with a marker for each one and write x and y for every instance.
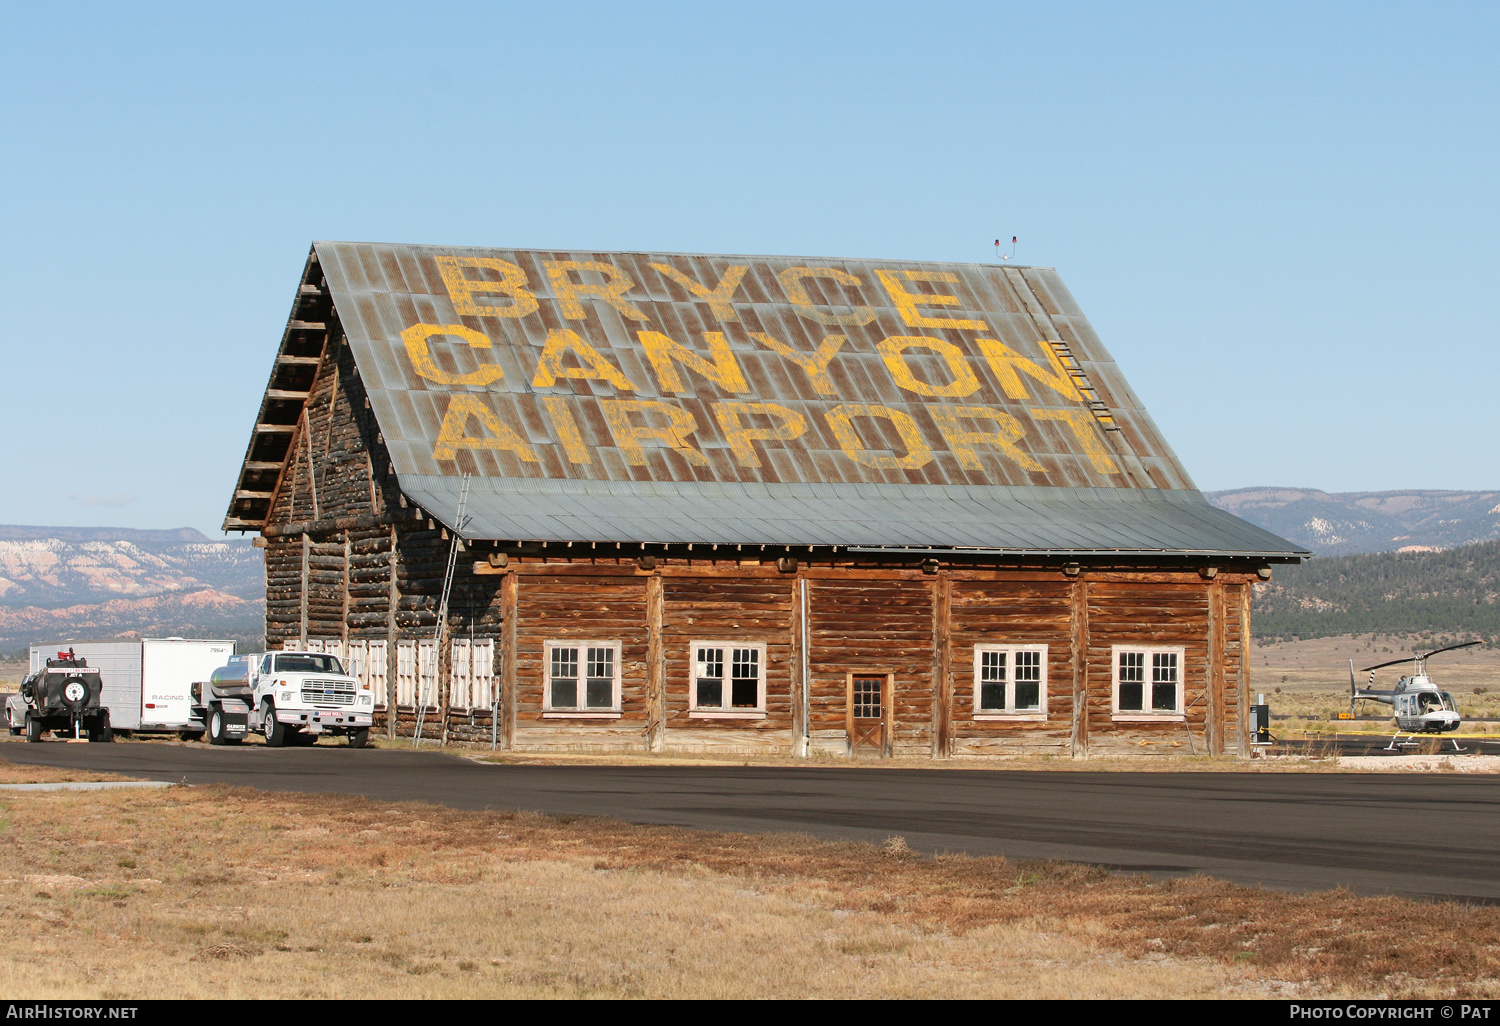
(1281, 219)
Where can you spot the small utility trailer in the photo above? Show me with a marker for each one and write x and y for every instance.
(147, 681)
(64, 696)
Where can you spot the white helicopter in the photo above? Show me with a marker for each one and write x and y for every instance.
(1419, 707)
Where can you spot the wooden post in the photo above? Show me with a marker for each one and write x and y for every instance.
(656, 668)
(888, 716)
(942, 667)
(344, 625)
(312, 469)
(333, 405)
(1245, 592)
(393, 599)
(306, 554)
(1078, 622)
(288, 478)
(509, 607)
(1213, 717)
(797, 658)
(375, 505)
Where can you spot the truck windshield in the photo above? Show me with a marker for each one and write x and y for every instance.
(307, 662)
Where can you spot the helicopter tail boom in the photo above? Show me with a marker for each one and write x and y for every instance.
(1357, 693)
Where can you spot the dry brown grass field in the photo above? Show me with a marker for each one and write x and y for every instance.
(11, 773)
(231, 893)
(11, 672)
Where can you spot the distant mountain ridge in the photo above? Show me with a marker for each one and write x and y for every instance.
(1346, 523)
(1451, 593)
(204, 613)
(103, 582)
(144, 538)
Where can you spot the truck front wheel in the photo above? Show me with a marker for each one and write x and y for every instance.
(275, 731)
(359, 738)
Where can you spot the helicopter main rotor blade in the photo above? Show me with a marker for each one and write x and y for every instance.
(1393, 662)
(1450, 648)
(1428, 655)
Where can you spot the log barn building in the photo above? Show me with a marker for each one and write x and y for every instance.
(739, 504)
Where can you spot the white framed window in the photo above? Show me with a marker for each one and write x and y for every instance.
(581, 679)
(729, 680)
(427, 673)
(1010, 682)
(376, 670)
(406, 674)
(1148, 682)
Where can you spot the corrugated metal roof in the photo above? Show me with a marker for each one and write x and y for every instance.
(749, 399)
(990, 519)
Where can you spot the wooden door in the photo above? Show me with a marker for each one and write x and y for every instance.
(869, 713)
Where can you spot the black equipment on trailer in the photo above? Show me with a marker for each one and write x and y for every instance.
(65, 696)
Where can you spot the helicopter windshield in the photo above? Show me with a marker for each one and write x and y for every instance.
(1435, 701)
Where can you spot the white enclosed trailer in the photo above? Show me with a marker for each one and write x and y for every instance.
(147, 681)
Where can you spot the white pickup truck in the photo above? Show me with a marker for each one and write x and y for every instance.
(290, 697)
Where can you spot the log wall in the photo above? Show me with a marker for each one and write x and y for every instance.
(920, 630)
(568, 606)
(1147, 613)
(1023, 610)
(741, 606)
(876, 623)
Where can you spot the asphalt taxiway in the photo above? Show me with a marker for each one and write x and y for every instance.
(1427, 835)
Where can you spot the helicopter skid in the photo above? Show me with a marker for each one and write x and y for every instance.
(1415, 741)
(1397, 745)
